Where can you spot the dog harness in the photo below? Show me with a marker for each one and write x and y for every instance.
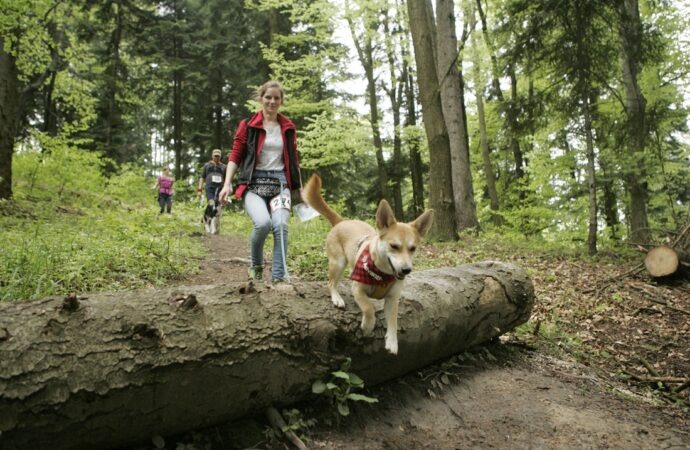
(366, 272)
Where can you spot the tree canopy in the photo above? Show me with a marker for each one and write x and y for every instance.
(563, 119)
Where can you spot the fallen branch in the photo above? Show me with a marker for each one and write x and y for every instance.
(610, 280)
(649, 368)
(657, 379)
(278, 424)
(665, 303)
(682, 387)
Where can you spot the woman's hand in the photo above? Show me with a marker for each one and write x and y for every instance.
(225, 192)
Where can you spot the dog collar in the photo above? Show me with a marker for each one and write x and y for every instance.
(366, 272)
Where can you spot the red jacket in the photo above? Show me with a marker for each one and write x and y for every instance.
(245, 154)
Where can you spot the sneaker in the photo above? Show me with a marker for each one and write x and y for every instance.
(256, 272)
(279, 280)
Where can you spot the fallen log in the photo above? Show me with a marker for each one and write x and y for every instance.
(663, 261)
(114, 369)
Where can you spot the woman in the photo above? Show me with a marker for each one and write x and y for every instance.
(264, 154)
(165, 191)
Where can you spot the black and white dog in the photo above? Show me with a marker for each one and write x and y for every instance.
(212, 217)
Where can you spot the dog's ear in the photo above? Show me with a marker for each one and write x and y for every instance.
(423, 222)
(385, 217)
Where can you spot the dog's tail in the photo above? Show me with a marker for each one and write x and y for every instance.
(312, 195)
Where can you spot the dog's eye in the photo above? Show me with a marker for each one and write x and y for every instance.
(395, 247)
(412, 249)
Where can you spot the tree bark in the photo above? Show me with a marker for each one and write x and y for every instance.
(416, 166)
(452, 96)
(630, 35)
(441, 200)
(489, 174)
(9, 117)
(114, 369)
(395, 96)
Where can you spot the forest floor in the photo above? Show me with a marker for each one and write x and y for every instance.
(603, 363)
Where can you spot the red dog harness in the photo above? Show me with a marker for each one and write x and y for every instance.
(366, 272)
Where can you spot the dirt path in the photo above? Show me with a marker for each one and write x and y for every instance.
(521, 400)
(497, 396)
(227, 260)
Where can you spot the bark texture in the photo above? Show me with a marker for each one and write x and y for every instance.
(441, 197)
(9, 107)
(452, 102)
(117, 368)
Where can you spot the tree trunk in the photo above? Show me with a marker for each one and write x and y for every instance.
(591, 179)
(496, 218)
(395, 96)
(114, 369)
(113, 142)
(365, 52)
(451, 91)
(510, 124)
(416, 166)
(630, 34)
(9, 117)
(440, 177)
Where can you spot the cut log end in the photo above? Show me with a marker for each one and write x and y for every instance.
(661, 261)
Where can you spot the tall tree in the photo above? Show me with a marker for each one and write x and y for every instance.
(452, 96)
(511, 125)
(30, 55)
(362, 36)
(392, 39)
(422, 27)
(416, 166)
(489, 173)
(631, 36)
(9, 115)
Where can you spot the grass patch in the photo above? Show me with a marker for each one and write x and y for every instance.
(94, 249)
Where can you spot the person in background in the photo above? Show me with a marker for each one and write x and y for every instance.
(264, 155)
(212, 176)
(164, 183)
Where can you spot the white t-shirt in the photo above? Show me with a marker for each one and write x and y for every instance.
(271, 157)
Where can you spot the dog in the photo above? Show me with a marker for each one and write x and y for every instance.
(380, 258)
(211, 218)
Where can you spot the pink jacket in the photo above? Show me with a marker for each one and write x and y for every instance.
(165, 184)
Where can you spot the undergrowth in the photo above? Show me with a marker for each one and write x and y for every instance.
(76, 234)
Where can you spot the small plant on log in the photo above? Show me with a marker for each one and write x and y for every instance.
(339, 388)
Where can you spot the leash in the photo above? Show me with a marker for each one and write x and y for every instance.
(282, 239)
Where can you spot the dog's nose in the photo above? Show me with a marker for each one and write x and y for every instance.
(406, 271)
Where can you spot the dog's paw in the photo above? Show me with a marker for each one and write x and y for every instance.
(392, 344)
(338, 300)
(367, 326)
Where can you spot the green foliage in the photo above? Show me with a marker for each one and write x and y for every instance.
(339, 387)
(131, 184)
(71, 230)
(306, 255)
(93, 250)
(59, 172)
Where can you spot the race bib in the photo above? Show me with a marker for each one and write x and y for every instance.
(216, 178)
(280, 201)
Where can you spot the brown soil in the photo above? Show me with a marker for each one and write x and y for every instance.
(506, 394)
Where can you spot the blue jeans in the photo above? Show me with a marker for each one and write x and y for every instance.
(165, 202)
(212, 192)
(265, 222)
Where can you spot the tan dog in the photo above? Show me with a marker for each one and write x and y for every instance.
(380, 259)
